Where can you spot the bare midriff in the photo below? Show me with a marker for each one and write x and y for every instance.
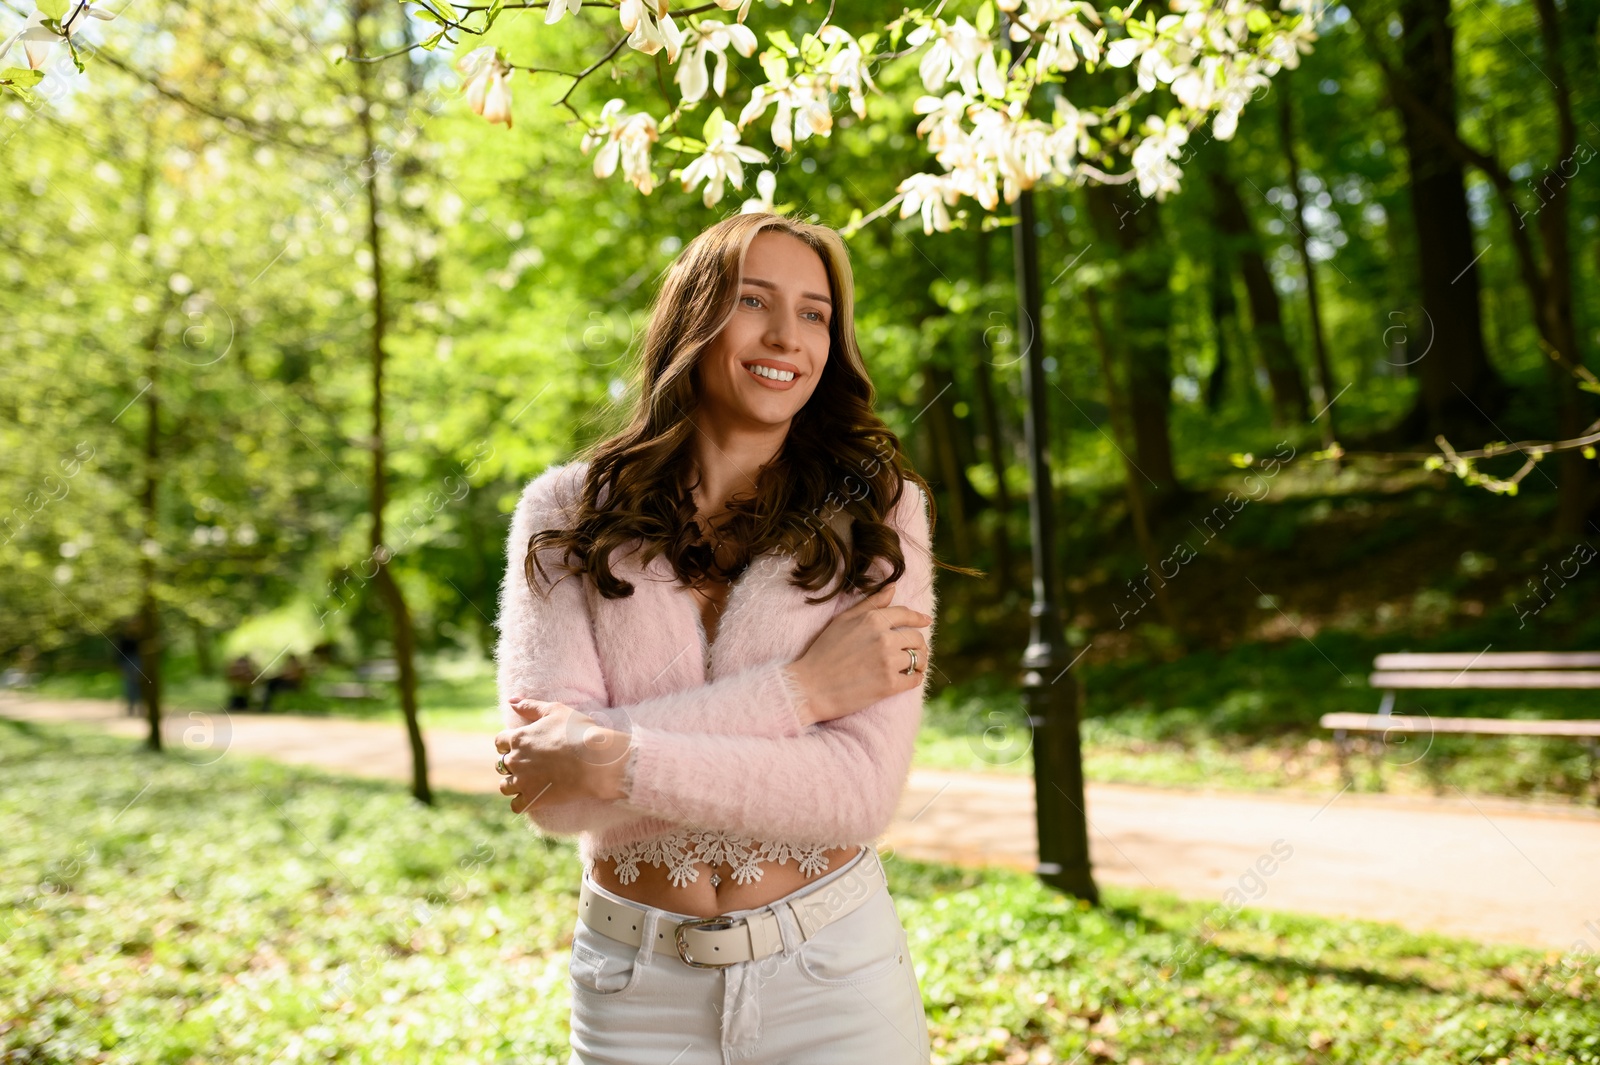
(702, 898)
(653, 887)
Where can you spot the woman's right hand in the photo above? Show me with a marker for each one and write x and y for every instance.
(860, 656)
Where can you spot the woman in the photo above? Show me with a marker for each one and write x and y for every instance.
(733, 905)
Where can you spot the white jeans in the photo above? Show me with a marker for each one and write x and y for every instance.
(849, 994)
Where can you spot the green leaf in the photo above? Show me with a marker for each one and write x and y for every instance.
(713, 126)
(494, 13)
(449, 12)
(21, 76)
(774, 65)
(431, 15)
(1242, 459)
(1258, 20)
(783, 41)
(53, 9)
(433, 42)
(683, 144)
(985, 18)
(812, 50)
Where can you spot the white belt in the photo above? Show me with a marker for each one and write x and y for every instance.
(730, 940)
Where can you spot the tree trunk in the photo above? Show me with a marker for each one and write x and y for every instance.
(937, 384)
(1266, 310)
(204, 664)
(994, 434)
(1130, 475)
(1572, 42)
(1459, 391)
(387, 587)
(1142, 313)
(1224, 313)
(149, 608)
(1323, 393)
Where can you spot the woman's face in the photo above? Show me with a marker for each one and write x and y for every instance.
(780, 325)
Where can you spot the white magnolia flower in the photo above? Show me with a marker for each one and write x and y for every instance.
(1072, 129)
(707, 37)
(928, 193)
(973, 168)
(1287, 48)
(650, 28)
(1154, 154)
(721, 159)
(1023, 150)
(802, 103)
(625, 139)
(766, 186)
(1237, 90)
(742, 5)
(955, 56)
(37, 40)
(945, 114)
(847, 69)
(1124, 51)
(558, 8)
(485, 77)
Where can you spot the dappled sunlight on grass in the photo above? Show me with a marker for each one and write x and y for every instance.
(155, 911)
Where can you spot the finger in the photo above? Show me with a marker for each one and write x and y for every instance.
(507, 786)
(502, 742)
(876, 599)
(529, 709)
(904, 617)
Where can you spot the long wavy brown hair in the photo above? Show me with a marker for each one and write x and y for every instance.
(840, 468)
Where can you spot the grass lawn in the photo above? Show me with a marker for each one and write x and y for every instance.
(152, 911)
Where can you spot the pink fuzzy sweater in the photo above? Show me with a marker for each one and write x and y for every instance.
(718, 738)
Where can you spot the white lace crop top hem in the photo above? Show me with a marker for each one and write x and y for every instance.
(679, 852)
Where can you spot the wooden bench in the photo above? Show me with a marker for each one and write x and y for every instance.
(1518, 670)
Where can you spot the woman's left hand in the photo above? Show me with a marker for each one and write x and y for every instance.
(563, 756)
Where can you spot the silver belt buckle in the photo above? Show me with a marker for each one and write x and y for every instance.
(702, 922)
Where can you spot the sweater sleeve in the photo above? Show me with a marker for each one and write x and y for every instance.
(838, 781)
(546, 651)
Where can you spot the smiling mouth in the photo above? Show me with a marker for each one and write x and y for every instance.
(769, 373)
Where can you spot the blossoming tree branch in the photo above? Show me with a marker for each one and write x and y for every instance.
(1201, 60)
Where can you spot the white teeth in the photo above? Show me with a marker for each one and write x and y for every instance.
(766, 371)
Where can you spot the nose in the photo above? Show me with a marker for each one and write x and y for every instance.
(781, 333)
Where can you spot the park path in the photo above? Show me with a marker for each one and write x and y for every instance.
(1490, 870)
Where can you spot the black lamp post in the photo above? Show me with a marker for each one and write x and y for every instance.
(1063, 824)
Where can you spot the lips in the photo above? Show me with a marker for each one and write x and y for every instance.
(773, 364)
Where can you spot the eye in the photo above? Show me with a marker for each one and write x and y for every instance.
(821, 319)
(756, 298)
